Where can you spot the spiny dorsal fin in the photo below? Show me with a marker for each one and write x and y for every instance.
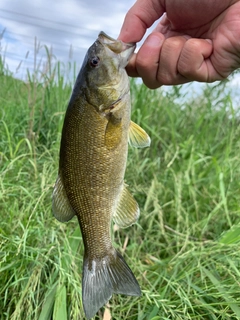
(138, 137)
(61, 207)
(127, 211)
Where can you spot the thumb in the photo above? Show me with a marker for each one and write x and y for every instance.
(139, 18)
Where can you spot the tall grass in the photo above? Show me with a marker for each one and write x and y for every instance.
(184, 250)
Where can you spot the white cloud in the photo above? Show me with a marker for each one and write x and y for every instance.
(59, 24)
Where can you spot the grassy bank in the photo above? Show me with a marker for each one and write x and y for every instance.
(184, 250)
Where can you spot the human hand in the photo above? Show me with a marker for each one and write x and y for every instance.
(194, 41)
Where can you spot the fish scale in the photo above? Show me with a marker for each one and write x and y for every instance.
(93, 156)
(83, 199)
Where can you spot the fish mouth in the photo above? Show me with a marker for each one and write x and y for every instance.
(105, 38)
(125, 50)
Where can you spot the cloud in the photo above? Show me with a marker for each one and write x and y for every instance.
(59, 24)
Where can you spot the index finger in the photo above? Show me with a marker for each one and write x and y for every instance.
(139, 18)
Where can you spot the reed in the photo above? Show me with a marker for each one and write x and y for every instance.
(184, 250)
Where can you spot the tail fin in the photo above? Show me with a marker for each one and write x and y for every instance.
(102, 278)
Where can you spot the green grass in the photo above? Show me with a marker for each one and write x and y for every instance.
(184, 250)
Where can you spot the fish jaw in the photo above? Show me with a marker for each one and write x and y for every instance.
(125, 50)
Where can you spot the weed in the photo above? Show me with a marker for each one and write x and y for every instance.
(184, 250)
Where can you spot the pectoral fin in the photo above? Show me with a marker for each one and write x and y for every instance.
(61, 207)
(127, 211)
(138, 137)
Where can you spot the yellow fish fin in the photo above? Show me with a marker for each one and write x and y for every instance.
(137, 137)
(61, 207)
(127, 211)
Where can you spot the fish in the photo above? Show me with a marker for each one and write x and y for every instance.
(93, 154)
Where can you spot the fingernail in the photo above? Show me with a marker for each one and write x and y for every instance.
(209, 41)
(153, 40)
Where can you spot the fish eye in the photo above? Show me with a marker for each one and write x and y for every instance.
(94, 62)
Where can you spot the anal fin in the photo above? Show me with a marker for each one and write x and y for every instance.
(61, 207)
(127, 211)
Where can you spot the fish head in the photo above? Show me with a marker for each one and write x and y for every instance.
(104, 69)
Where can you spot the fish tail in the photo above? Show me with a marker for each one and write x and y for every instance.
(102, 278)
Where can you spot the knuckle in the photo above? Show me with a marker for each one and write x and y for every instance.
(165, 78)
(190, 59)
(151, 81)
(193, 44)
(174, 43)
(186, 69)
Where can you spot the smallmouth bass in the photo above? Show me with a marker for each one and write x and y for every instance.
(93, 155)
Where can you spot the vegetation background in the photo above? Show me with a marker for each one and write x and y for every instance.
(184, 250)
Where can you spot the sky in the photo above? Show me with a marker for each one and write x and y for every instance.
(67, 27)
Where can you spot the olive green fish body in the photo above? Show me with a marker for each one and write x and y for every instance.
(92, 164)
(98, 154)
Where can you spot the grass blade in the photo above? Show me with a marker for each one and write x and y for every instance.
(47, 307)
(233, 304)
(232, 236)
(60, 305)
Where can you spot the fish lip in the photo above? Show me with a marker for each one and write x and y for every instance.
(103, 36)
(117, 46)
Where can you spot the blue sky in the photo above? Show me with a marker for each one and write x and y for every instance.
(69, 27)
